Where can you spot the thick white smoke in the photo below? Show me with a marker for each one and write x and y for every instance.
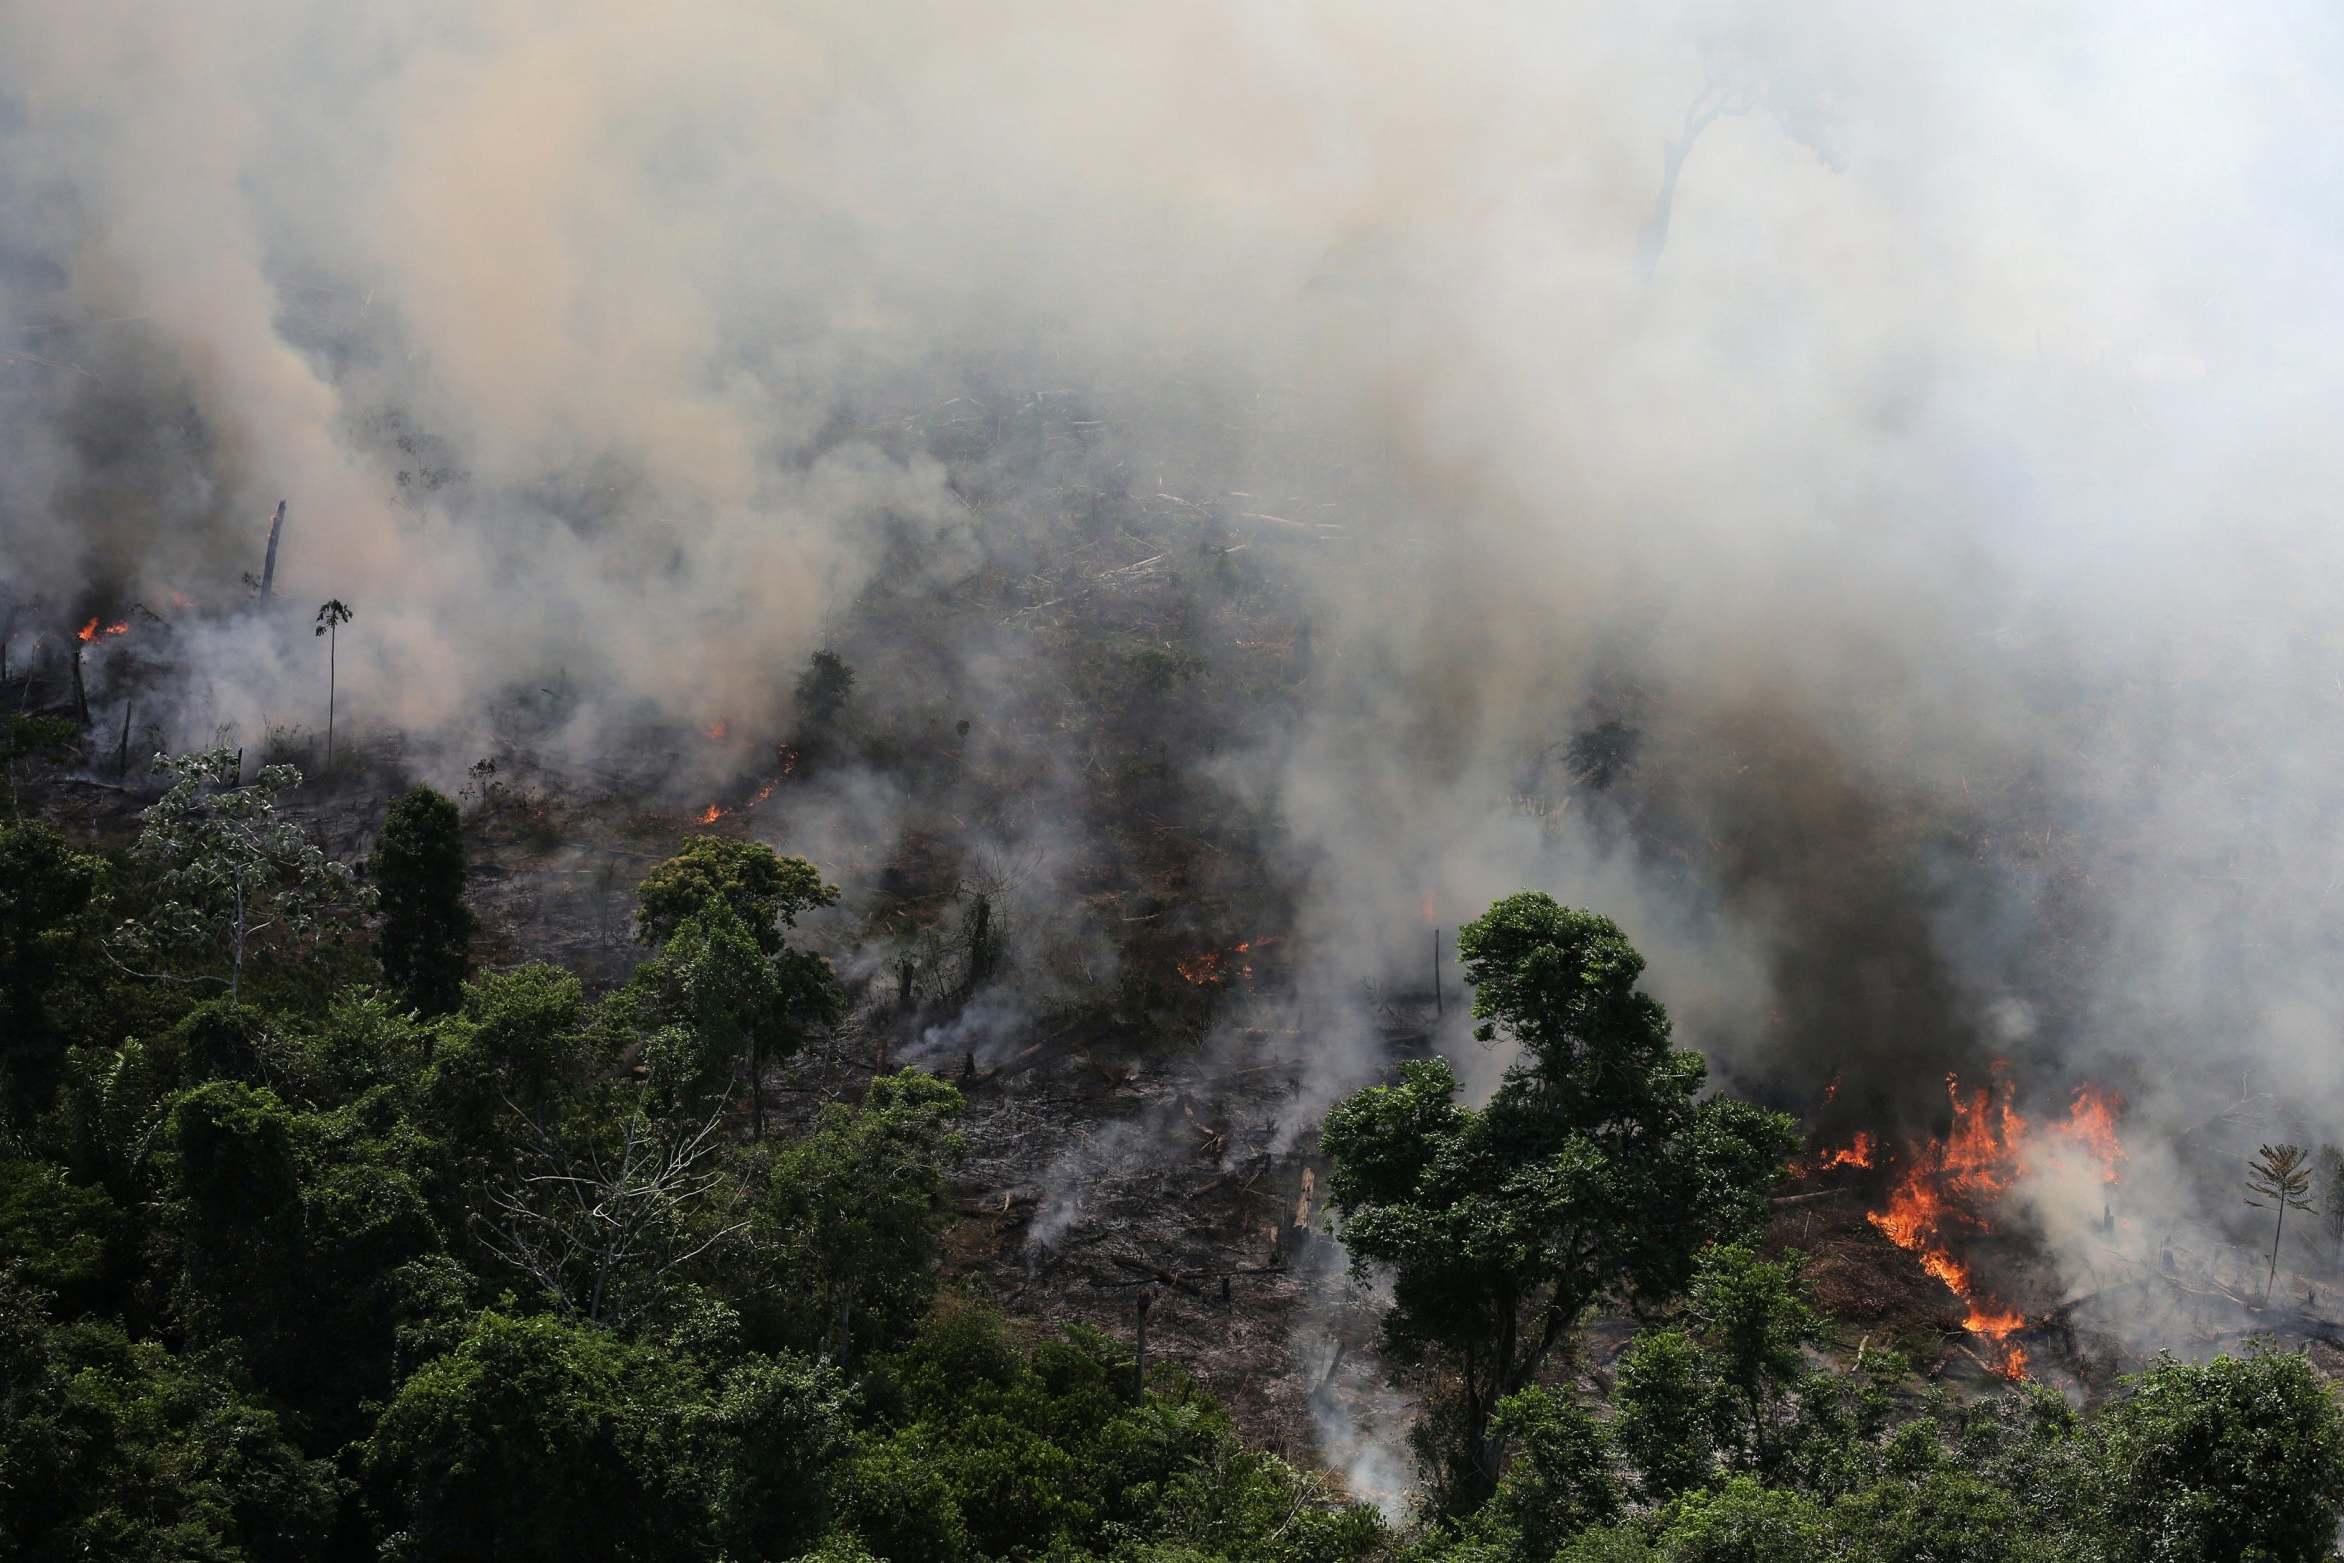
(1911, 425)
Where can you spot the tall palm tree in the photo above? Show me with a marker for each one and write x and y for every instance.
(331, 616)
(2281, 1174)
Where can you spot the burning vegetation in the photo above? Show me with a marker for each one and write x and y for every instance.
(1950, 1191)
(1210, 968)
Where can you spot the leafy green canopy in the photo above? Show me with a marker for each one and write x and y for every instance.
(724, 992)
(2241, 1457)
(765, 890)
(227, 867)
(44, 887)
(418, 871)
(1595, 1169)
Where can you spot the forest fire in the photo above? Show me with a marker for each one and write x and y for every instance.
(1949, 1186)
(716, 811)
(94, 631)
(1213, 967)
(1858, 1152)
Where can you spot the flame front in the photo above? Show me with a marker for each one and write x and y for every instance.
(1949, 1185)
(94, 631)
(2091, 1124)
(1211, 967)
(1930, 1205)
(1856, 1153)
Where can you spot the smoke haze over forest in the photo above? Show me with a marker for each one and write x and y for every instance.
(1935, 492)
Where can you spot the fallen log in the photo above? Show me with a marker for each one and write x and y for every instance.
(1801, 1199)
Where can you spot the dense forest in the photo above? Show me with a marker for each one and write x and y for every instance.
(321, 1236)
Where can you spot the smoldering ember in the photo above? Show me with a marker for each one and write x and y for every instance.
(1171, 782)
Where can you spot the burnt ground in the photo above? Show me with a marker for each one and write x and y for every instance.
(1133, 1128)
(1145, 1142)
(1116, 1153)
(2104, 1311)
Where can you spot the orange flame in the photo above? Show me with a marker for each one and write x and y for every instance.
(711, 814)
(720, 728)
(1216, 966)
(94, 631)
(1940, 1195)
(1202, 969)
(1856, 1153)
(2091, 1124)
(1949, 1183)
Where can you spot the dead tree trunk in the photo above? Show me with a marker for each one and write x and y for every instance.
(122, 753)
(268, 565)
(81, 701)
(756, 1092)
(1712, 102)
(333, 674)
(1139, 1354)
(1437, 1010)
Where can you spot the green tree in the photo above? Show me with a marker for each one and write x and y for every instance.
(114, 1448)
(765, 890)
(536, 1439)
(1665, 1412)
(240, 1216)
(785, 1425)
(898, 1502)
(418, 872)
(61, 1238)
(517, 1043)
(227, 867)
(331, 616)
(44, 887)
(725, 984)
(1950, 1516)
(1558, 1478)
(1754, 1317)
(823, 689)
(722, 1002)
(2237, 1458)
(1595, 1167)
(2281, 1174)
(853, 1212)
(1743, 1522)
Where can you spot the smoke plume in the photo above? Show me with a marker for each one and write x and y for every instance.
(1842, 489)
